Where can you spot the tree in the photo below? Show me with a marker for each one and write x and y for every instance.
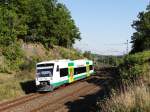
(44, 21)
(88, 54)
(141, 38)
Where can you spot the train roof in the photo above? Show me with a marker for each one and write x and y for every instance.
(62, 60)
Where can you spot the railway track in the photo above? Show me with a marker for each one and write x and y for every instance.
(19, 101)
(22, 100)
(61, 108)
(86, 88)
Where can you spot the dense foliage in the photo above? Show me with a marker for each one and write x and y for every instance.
(141, 38)
(44, 21)
(135, 66)
(34, 21)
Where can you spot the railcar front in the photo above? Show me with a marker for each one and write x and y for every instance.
(44, 76)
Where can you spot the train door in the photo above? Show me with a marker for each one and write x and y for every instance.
(87, 69)
(56, 75)
(71, 72)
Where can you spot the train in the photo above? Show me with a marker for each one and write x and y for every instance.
(55, 73)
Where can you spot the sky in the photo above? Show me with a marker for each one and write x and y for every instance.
(105, 25)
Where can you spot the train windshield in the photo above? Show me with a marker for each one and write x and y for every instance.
(45, 70)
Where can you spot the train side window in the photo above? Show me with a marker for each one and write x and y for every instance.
(91, 67)
(80, 70)
(63, 72)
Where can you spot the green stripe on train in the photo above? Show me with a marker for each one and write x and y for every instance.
(80, 77)
(87, 63)
(67, 81)
(70, 64)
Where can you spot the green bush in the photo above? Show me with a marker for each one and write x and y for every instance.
(134, 66)
(13, 56)
(13, 52)
(29, 64)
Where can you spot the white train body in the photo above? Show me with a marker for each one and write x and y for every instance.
(52, 74)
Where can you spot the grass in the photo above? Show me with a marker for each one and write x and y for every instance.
(133, 95)
(135, 98)
(9, 90)
(10, 84)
